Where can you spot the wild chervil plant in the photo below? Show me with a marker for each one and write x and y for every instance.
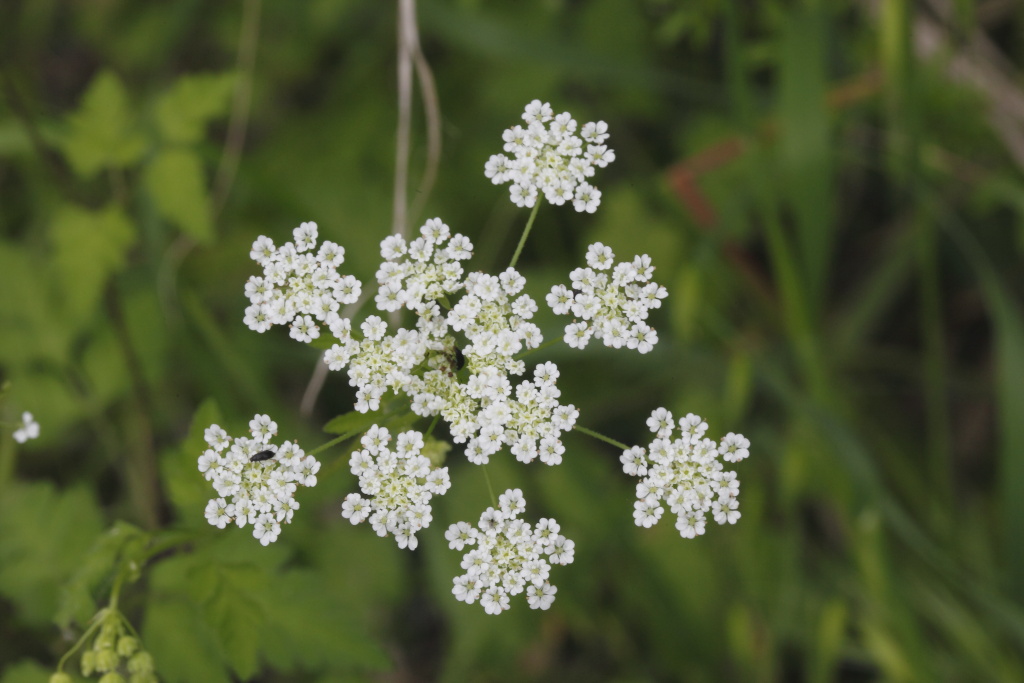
(462, 361)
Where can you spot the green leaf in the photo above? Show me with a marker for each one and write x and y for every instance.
(45, 533)
(122, 542)
(102, 133)
(182, 644)
(176, 181)
(89, 247)
(27, 307)
(229, 594)
(354, 422)
(183, 112)
(805, 145)
(185, 486)
(314, 629)
(26, 671)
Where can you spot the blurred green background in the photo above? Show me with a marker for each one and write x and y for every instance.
(831, 191)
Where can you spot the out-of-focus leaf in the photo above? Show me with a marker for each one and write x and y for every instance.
(102, 132)
(26, 671)
(183, 112)
(183, 646)
(353, 422)
(45, 533)
(805, 144)
(312, 629)
(77, 602)
(14, 141)
(26, 306)
(1009, 381)
(831, 633)
(176, 181)
(230, 598)
(89, 247)
(186, 487)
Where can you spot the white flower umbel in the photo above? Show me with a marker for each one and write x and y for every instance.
(685, 473)
(551, 159)
(428, 269)
(510, 556)
(27, 429)
(255, 479)
(481, 405)
(299, 287)
(398, 484)
(609, 303)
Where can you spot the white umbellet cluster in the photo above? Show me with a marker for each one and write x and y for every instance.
(298, 287)
(685, 473)
(414, 274)
(27, 429)
(481, 405)
(509, 556)
(258, 491)
(611, 306)
(399, 484)
(551, 159)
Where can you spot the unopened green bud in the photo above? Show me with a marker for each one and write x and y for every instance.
(106, 660)
(60, 677)
(142, 678)
(88, 662)
(112, 677)
(141, 663)
(127, 645)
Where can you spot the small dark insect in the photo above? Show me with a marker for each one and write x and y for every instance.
(460, 358)
(262, 455)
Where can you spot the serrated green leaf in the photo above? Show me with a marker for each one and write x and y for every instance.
(89, 247)
(313, 629)
(122, 542)
(176, 181)
(183, 647)
(183, 112)
(45, 533)
(185, 486)
(102, 132)
(229, 594)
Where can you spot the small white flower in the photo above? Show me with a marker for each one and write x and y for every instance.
(27, 429)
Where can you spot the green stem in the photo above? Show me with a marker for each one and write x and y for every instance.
(96, 622)
(549, 342)
(526, 233)
(490, 489)
(601, 437)
(333, 442)
(430, 429)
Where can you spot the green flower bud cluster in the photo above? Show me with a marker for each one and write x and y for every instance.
(116, 655)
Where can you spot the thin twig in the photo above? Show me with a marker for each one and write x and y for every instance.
(406, 43)
(231, 154)
(316, 382)
(432, 111)
(241, 105)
